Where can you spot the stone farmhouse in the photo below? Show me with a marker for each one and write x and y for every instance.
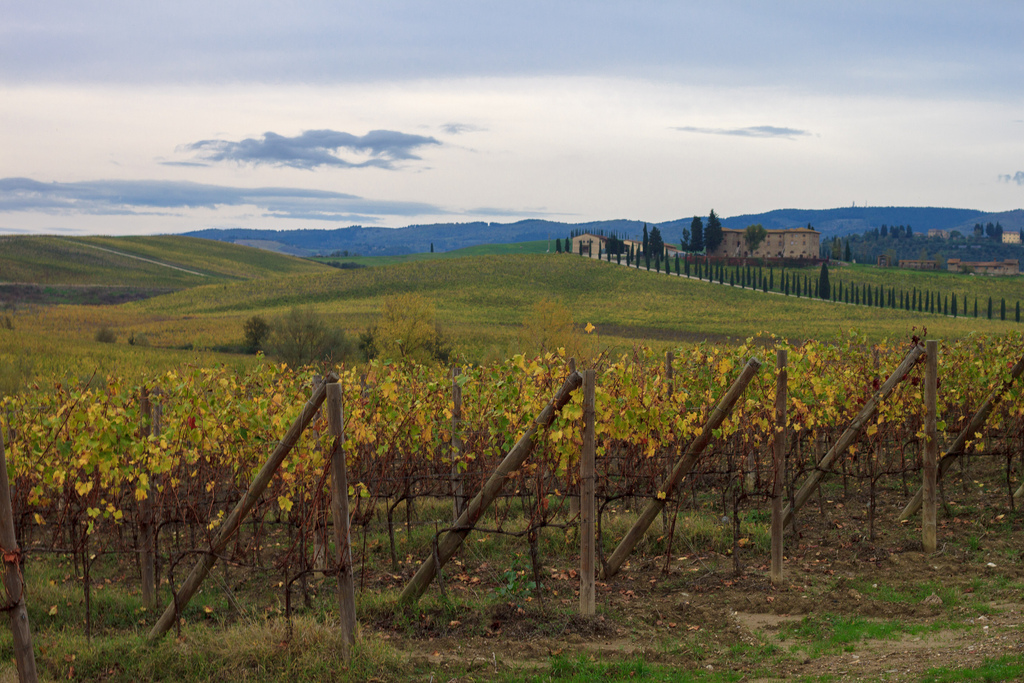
(1005, 267)
(919, 264)
(591, 242)
(795, 243)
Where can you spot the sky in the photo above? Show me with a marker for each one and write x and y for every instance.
(141, 118)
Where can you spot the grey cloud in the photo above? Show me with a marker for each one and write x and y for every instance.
(315, 148)
(1017, 177)
(458, 128)
(749, 132)
(149, 197)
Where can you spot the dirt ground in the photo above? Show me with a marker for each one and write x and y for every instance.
(698, 614)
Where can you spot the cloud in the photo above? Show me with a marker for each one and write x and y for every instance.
(458, 128)
(315, 148)
(1017, 177)
(749, 132)
(158, 197)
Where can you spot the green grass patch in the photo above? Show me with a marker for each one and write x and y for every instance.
(832, 633)
(1009, 668)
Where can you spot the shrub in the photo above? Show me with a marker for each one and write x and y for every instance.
(105, 335)
(302, 337)
(256, 330)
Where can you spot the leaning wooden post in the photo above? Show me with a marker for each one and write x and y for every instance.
(458, 472)
(931, 448)
(779, 463)
(447, 546)
(957, 449)
(852, 433)
(339, 512)
(147, 565)
(24, 657)
(682, 466)
(234, 520)
(588, 601)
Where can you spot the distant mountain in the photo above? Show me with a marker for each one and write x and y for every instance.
(451, 236)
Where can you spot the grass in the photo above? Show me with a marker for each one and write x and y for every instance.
(536, 247)
(109, 261)
(832, 633)
(1008, 668)
(483, 300)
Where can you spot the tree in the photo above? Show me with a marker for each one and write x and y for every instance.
(558, 245)
(432, 247)
(712, 233)
(256, 330)
(684, 243)
(697, 234)
(407, 330)
(646, 241)
(301, 337)
(548, 327)
(824, 288)
(655, 241)
(754, 235)
(846, 254)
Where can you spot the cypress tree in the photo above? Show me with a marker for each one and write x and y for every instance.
(990, 308)
(771, 278)
(945, 305)
(975, 307)
(618, 259)
(954, 306)
(1002, 309)
(785, 283)
(558, 245)
(1018, 312)
(647, 260)
(677, 264)
(581, 248)
(764, 287)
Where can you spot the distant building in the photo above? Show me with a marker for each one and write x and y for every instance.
(919, 264)
(589, 243)
(884, 261)
(1011, 237)
(1004, 267)
(797, 243)
(935, 232)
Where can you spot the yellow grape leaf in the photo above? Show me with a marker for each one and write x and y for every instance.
(53, 611)
(872, 430)
(589, 328)
(284, 503)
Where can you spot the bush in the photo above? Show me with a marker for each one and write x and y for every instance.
(256, 330)
(407, 330)
(137, 339)
(302, 337)
(105, 335)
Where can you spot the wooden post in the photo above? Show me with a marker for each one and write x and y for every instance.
(588, 603)
(931, 448)
(852, 433)
(232, 522)
(24, 657)
(447, 546)
(458, 474)
(147, 564)
(682, 466)
(957, 449)
(339, 512)
(779, 463)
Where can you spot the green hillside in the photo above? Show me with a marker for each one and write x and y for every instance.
(146, 262)
(535, 247)
(482, 302)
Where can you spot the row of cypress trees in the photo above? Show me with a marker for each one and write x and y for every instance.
(803, 285)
